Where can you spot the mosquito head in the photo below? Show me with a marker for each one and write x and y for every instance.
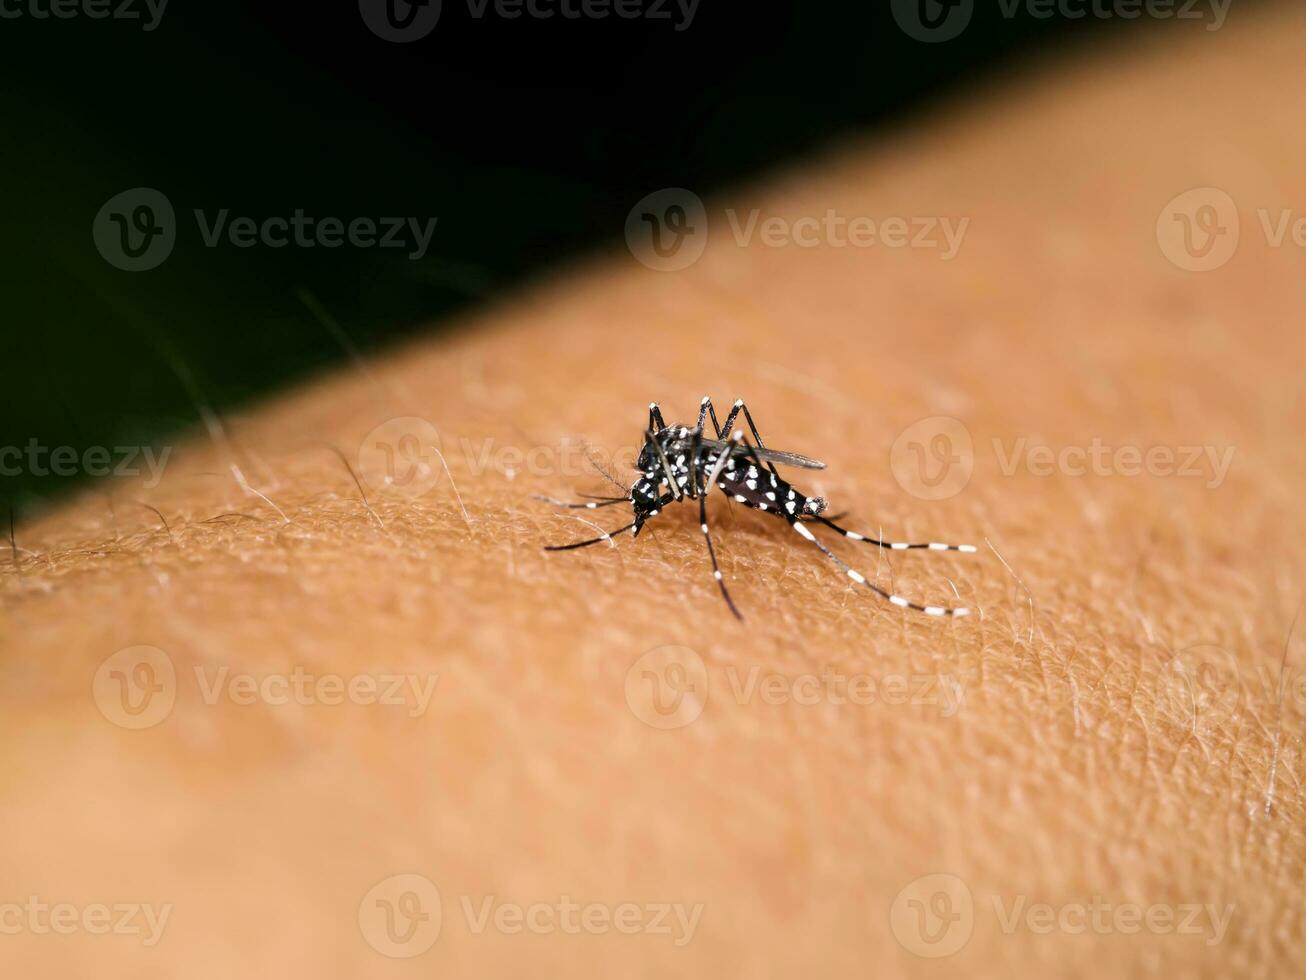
(815, 505)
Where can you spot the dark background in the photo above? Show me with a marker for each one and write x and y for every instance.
(529, 139)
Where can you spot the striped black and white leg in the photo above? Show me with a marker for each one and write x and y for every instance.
(594, 504)
(735, 409)
(861, 579)
(665, 463)
(704, 410)
(711, 552)
(855, 575)
(702, 515)
(896, 545)
(655, 422)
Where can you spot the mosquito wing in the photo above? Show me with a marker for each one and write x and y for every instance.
(767, 455)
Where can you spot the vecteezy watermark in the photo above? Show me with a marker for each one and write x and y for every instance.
(136, 230)
(935, 915)
(137, 687)
(1211, 12)
(831, 686)
(1208, 463)
(1104, 917)
(834, 230)
(668, 230)
(400, 21)
(569, 460)
(147, 12)
(667, 687)
(412, 692)
(406, 456)
(563, 915)
(1206, 678)
(306, 231)
(41, 918)
(36, 459)
(934, 458)
(678, 13)
(403, 915)
(933, 21)
(1200, 230)
(405, 21)
(402, 455)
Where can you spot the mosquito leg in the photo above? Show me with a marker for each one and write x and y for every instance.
(695, 445)
(594, 504)
(735, 409)
(705, 410)
(751, 453)
(702, 512)
(666, 465)
(851, 535)
(655, 423)
(711, 553)
(722, 461)
(895, 545)
(860, 579)
(730, 419)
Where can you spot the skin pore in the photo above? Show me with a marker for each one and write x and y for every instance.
(599, 769)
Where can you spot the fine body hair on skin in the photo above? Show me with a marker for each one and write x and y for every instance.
(364, 680)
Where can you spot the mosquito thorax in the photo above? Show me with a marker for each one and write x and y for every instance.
(676, 437)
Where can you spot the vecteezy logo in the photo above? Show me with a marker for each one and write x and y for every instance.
(135, 230)
(401, 916)
(401, 21)
(667, 687)
(932, 20)
(933, 459)
(933, 916)
(1198, 230)
(667, 230)
(401, 456)
(136, 687)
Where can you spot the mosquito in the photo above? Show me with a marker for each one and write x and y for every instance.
(682, 461)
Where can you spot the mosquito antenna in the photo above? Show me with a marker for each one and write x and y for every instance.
(589, 456)
(606, 536)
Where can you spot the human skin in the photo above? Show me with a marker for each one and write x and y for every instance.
(1102, 730)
